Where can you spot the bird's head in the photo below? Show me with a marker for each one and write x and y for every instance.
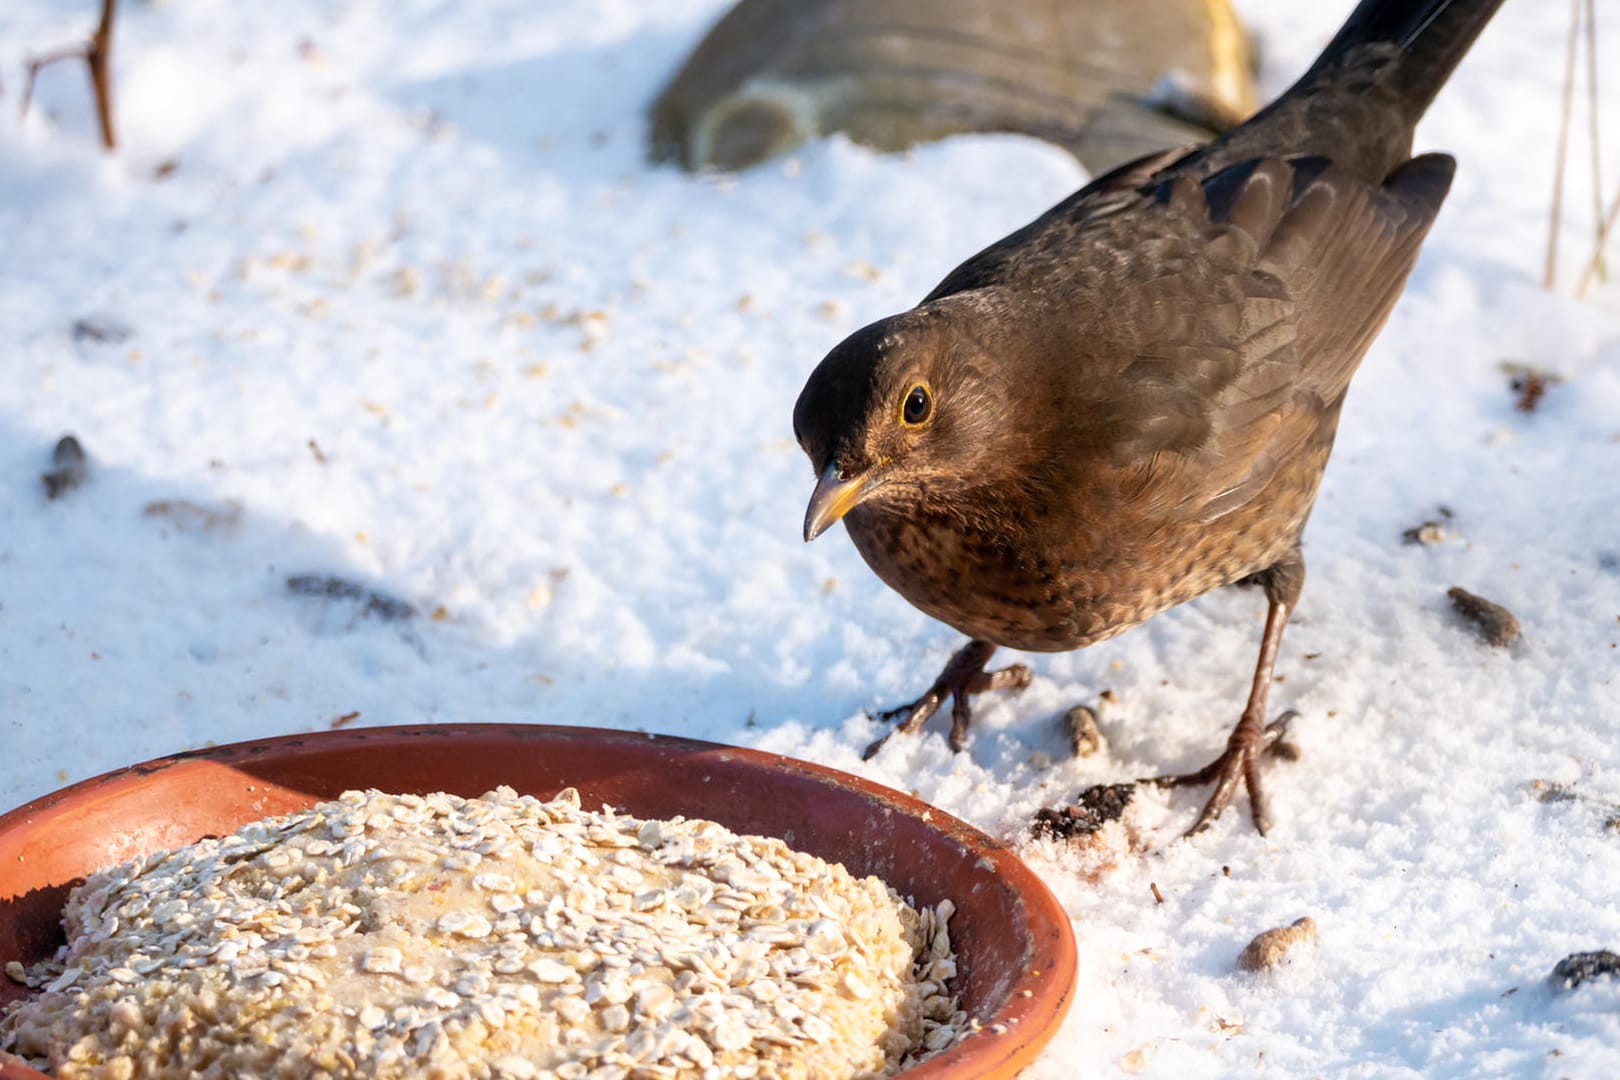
(901, 411)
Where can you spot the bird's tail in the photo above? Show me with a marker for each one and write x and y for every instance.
(1431, 35)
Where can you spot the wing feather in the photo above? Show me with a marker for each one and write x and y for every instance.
(1220, 319)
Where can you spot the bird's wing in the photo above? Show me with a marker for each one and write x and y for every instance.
(1221, 320)
(1104, 196)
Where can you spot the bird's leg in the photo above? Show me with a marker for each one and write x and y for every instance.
(1252, 737)
(964, 676)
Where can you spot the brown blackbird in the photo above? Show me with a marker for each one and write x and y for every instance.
(1130, 401)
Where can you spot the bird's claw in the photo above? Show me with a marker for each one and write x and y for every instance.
(963, 677)
(875, 745)
(1240, 761)
(911, 716)
(908, 718)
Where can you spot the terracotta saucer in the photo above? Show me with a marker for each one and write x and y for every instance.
(1016, 957)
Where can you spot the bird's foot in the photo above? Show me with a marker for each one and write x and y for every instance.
(1247, 745)
(963, 677)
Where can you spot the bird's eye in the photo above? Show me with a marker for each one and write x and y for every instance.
(915, 409)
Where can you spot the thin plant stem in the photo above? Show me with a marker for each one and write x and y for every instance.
(1550, 272)
(1596, 139)
(1605, 226)
(97, 55)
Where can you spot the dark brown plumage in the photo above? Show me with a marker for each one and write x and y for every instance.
(1130, 401)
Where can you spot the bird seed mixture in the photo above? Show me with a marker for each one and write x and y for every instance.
(435, 936)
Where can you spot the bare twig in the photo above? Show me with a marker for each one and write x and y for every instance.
(75, 53)
(97, 55)
(1550, 272)
(100, 71)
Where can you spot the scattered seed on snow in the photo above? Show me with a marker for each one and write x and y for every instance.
(1269, 947)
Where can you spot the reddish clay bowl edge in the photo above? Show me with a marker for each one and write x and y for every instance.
(1011, 935)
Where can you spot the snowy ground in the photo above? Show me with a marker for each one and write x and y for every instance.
(551, 388)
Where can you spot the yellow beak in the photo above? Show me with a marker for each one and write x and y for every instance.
(835, 496)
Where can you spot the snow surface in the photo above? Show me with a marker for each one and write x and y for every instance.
(551, 389)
